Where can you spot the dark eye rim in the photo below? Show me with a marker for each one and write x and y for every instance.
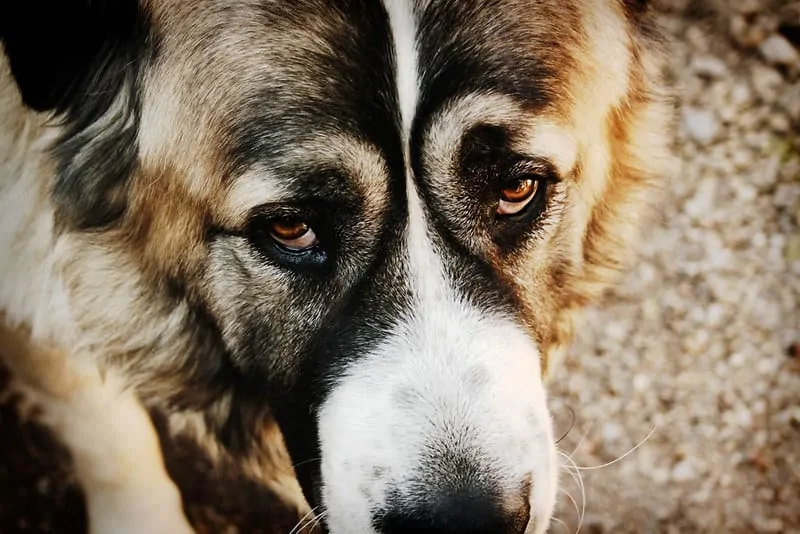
(294, 251)
(510, 231)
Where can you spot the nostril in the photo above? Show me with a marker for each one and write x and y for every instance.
(465, 512)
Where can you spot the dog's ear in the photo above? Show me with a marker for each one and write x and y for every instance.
(81, 61)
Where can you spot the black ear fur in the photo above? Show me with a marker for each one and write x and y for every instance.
(81, 60)
(636, 7)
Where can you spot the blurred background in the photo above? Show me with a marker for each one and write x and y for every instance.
(700, 344)
(698, 347)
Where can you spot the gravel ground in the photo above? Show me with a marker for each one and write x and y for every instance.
(700, 344)
(701, 341)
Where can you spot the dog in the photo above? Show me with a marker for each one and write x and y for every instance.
(339, 242)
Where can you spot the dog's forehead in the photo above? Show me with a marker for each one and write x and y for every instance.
(246, 70)
(521, 49)
(268, 74)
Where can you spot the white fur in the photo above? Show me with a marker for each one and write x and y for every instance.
(251, 189)
(403, 28)
(116, 453)
(29, 293)
(607, 66)
(419, 386)
(551, 141)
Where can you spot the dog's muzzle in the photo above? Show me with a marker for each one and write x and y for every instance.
(444, 428)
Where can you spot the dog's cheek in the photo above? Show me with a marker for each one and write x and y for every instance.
(267, 314)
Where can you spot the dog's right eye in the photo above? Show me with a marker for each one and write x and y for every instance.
(517, 196)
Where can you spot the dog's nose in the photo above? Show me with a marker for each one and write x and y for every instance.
(466, 512)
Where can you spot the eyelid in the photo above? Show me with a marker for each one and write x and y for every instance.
(542, 168)
(284, 210)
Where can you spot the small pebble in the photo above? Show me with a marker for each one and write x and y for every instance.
(709, 66)
(741, 94)
(684, 471)
(789, 100)
(700, 125)
(777, 50)
(767, 82)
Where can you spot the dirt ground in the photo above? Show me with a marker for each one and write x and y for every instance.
(699, 344)
(699, 347)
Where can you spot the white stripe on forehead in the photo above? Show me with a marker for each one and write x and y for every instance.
(403, 27)
(426, 268)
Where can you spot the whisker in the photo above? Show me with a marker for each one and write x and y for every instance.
(318, 519)
(578, 478)
(562, 523)
(572, 500)
(571, 425)
(568, 462)
(300, 524)
(583, 502)
(612, 462)
(578, 446)
(304, 462)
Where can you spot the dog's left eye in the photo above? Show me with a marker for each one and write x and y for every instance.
(293, 235)
(515, 197)
(288, 239)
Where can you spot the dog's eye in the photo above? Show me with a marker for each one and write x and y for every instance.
(293, 235)
(517, 196)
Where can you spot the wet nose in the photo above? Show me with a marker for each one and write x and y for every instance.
(470, 511)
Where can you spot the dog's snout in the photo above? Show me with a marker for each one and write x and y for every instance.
(471, 511)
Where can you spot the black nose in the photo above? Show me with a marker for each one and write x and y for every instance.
(465, 512)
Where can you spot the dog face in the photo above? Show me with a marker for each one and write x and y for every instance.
(377, 217)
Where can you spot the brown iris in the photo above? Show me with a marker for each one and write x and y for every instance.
(293, 234)
(524, 189)
(514, 199)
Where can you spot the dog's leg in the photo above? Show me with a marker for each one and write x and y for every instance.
(114, 446)
(118, 460)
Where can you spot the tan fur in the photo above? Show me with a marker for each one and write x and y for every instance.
(47, 370)
(625, 190)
